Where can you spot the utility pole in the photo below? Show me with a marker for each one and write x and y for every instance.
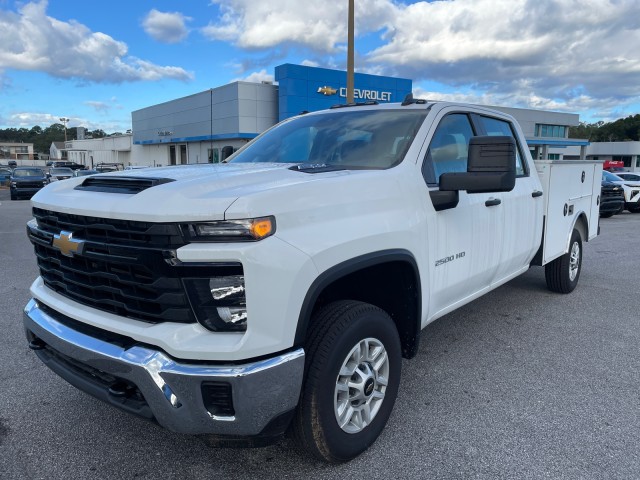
(64, 121)
(350, 53)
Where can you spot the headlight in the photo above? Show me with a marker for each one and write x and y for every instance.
(14, 184)
(44, 182)
(219, 303)
(247, 230)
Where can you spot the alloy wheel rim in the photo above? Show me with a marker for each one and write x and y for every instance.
(574, 261)
(361, 385)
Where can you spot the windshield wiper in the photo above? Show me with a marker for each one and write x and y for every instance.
(317, 168)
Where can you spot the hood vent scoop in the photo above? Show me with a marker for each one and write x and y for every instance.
(130, 185)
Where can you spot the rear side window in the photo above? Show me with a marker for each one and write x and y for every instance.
(495, 127)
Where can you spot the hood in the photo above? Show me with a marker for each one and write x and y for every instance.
(628, 183)
(181, 193)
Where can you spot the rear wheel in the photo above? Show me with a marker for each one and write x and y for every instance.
(634, 209)
(563, 273)
(607, 214)
(352, 376)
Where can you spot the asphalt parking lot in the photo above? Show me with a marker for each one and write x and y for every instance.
(522, 383)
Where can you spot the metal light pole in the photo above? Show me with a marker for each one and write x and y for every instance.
(64, 121)
(350, 53)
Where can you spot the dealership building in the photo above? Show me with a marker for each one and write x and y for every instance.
(208, 126)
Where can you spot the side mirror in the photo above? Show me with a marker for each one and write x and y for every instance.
(491, 167)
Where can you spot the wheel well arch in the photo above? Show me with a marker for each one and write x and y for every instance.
(388, 279)
(582, 225)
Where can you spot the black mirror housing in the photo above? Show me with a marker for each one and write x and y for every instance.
(491, 167)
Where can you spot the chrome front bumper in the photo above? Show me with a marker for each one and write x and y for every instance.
(161, 388)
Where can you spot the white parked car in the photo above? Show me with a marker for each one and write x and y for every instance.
(60, 173)
(634, 177)
(631, 188)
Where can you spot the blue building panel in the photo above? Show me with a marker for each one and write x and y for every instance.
(322, 88)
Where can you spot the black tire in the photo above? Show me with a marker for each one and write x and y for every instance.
(13, 197)
(563, 273)
(607, 214)
(336, 331)
(634, 209)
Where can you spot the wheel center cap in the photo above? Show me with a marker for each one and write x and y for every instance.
(368, 387)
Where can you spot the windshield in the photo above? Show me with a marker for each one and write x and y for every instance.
(610, 177)
(359, 139)
(31, 172)
(61, 171)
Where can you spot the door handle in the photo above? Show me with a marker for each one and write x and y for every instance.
(493, 202)
(536, 193)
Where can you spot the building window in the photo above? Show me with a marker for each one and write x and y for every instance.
(556, 131)
(22, 149)
(554, 156)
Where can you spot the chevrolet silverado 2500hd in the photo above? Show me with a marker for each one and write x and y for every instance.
(281, 290)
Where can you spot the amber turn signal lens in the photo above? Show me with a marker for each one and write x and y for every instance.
(261, 227)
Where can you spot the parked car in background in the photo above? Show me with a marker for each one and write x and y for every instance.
(611, 197)
(631, 190)
(84, 173)
(71, 165)
(136, 167)
(109, 167)
(5, 174)
(60, 173)
(26, 181)
(634, 177)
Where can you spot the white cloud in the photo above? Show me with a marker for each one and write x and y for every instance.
(558, 54)
(31, 40)
(552, 49)
(166, 27)
(257, 77)
(29, 119)
(103, 107)
(319, 26)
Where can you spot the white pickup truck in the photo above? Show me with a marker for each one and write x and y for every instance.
(280, 291)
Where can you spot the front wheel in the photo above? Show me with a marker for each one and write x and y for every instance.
(563, 273)
(352, 377)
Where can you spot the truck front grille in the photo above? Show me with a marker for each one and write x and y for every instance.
(609, 192)
(37, 184)
(123, 267)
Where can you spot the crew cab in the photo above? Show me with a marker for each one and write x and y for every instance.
(281, 290)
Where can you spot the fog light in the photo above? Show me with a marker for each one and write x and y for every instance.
(233, 314)
(219, 303)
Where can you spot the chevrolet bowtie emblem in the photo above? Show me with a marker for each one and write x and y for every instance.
(327, 90)
(67, 245)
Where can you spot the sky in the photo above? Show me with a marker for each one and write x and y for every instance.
(96, 62)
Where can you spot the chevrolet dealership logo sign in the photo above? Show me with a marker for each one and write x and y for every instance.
(357, 93)
(67, 245)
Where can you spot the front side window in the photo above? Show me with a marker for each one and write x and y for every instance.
(352, 138)
(449, 148)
